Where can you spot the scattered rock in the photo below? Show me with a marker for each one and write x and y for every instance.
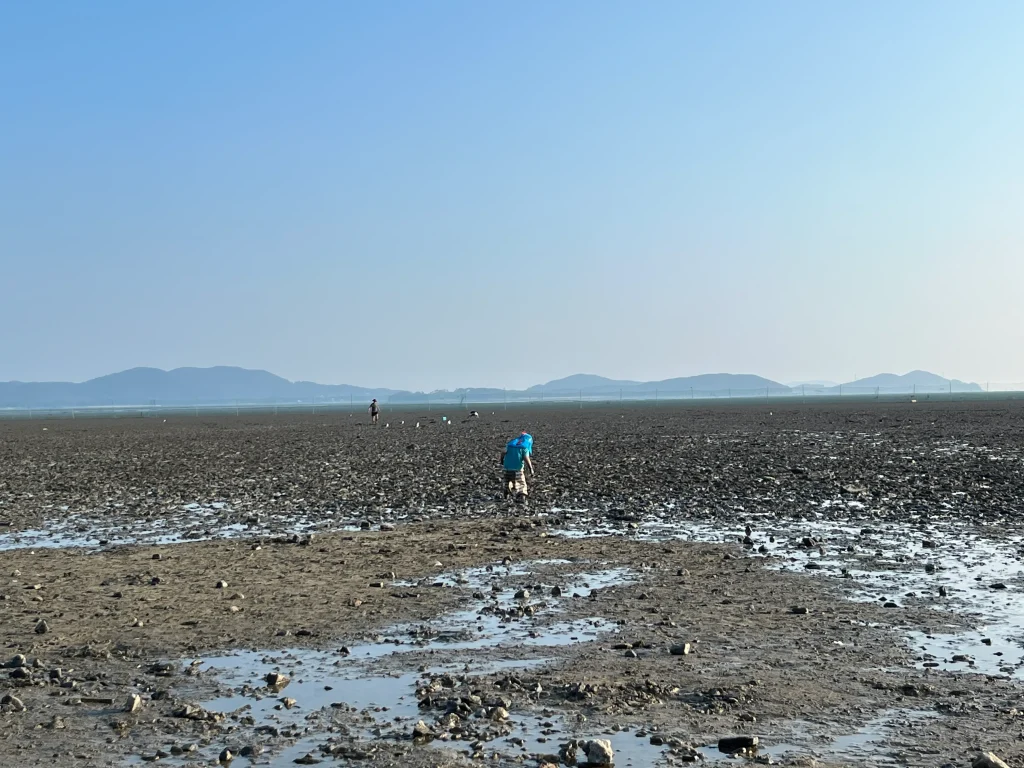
(42, 628)
(598, 752)
(988, 760)
(277, 679)
(225, 757)
(682, 649)
(422, 731)
(222, 585)
(11, 703)
(134, 703)
(732, 744)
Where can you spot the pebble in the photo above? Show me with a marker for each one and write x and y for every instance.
(733, 744)
(682, 649)
(277, 679)
(599, 752)
(222, 585)
(134, 703)
(988, 760)
(42, 628)
(11, 703)
(225, 757)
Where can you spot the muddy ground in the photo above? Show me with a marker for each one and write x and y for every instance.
(872, 615)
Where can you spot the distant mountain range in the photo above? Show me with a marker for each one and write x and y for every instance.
(222, 384)
(922, 380)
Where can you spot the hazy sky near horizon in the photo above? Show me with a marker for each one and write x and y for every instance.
(427, 195)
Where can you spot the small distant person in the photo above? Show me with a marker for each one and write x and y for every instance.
(374, 411)
(514, 460)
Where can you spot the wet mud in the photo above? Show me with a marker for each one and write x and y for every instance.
(832, 585)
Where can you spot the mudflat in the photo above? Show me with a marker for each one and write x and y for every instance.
(832, 583)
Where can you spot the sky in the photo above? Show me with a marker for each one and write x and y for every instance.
(433, 195)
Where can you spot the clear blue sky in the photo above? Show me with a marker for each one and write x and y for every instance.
(435, 194)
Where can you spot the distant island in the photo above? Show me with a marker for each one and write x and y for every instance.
(224, 384)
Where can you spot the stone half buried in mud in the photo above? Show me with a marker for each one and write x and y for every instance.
(734, 744)
(598, 752)
(988, 760)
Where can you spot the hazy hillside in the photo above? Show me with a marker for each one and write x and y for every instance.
(922, 381)
(224, 384)
(140, 386)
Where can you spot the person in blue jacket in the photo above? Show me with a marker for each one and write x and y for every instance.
(514, 461)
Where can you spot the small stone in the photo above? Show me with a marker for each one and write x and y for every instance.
(732, 744)
(499, 714)
(222, 585)
(599, 752)
(943, 592)
(890, 604)
(288, 703)
(986, 641)
(377, 584)
(306, 759)
(134, 703)
(225, 757)
(556, 592)
(138, 623)
(235, 609)
(11, 703)
(254, 750)
(422, 731)
(16, 662)
(988, 760)
(42, 628)
(277, 679)
(682, 649)
(798, 610)
(998, 585)
(630, 654)
(523, 594)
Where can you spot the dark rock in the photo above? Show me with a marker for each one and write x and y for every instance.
(732, 744)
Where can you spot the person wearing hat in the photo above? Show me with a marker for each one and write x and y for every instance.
(374, 411)
(514, 460)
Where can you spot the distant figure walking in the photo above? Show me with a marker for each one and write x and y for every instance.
(374, 411)
(514, 460)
